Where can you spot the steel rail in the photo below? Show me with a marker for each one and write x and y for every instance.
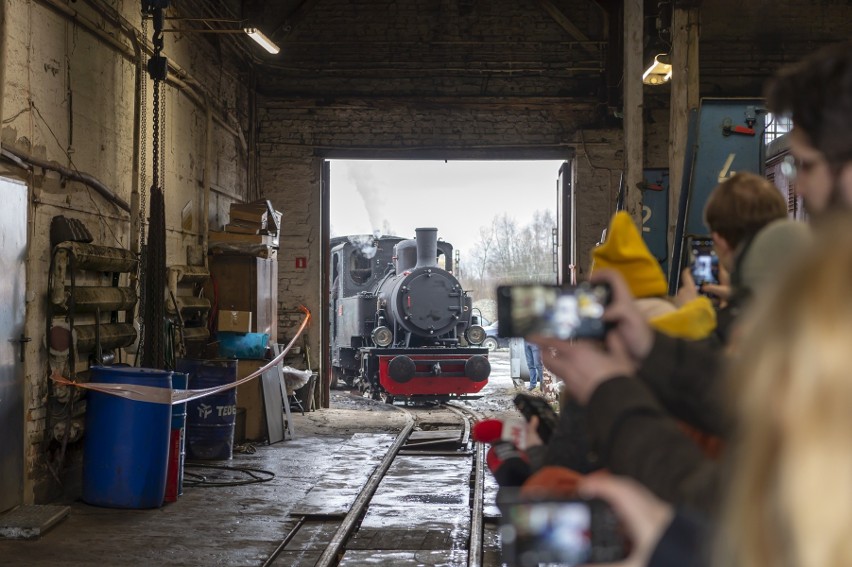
(332, 551)
(284, 542)
(474, 548)
(474, 554)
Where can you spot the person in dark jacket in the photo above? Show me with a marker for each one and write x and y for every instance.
(673, 465)
(624, 415)
(786, 498)
(626, 252)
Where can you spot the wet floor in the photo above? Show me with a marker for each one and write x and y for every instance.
(238, 525)
(242, 525)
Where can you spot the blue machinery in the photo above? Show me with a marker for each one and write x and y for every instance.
(725, 136)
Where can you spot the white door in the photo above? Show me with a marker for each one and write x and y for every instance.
(13, 244)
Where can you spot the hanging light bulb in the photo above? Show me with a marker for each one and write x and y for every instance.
(659, 72)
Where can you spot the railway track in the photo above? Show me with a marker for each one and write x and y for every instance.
(430, 483)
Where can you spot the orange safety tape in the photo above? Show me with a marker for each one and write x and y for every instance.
(162, 396)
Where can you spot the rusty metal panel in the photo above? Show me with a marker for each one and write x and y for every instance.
(100, 258)
(88, 299)
(112, 335)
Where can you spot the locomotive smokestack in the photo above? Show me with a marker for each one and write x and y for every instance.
(427, 247)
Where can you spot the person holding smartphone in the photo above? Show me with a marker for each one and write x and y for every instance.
(786, 498)
(627, 386)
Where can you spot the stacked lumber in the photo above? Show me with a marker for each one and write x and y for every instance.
(253, 228)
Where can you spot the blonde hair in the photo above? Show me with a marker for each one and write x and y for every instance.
(789, 501)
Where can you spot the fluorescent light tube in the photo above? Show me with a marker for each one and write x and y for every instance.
(262, 40)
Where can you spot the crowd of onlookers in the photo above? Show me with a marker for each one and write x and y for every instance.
(720, 428)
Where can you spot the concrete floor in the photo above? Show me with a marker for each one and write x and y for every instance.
(239, 525)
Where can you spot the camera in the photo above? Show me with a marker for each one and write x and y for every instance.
(552, 311)
(569, 532)
(535, 406)
(704, 264)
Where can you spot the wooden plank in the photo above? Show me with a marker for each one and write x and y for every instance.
(276, 349)
(404, 558)
(418, 436)
(633, 108)
(273, 405)
(684, 96)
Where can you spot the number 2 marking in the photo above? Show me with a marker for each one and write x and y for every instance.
(646, 216)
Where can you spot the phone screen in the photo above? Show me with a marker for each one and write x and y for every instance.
(705, 263)
(567, 533)
(552, 311)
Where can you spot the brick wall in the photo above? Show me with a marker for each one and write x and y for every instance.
(744, 43)
(295, 139)
(599, 163)
(82, 94)
(440, 79)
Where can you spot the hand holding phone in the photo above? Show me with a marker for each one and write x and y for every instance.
(569, 532)
(552, 311)
(643, 516)
(704, 264)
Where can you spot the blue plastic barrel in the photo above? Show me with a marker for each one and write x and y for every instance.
(210, 420)
(126, 446)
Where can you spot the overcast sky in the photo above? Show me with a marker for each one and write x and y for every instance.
(457, 197)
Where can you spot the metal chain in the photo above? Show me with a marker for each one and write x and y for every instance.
(143, 193)
(153, 356)
(162, 180)
(143, 141)
(158, 107)
(155, 141)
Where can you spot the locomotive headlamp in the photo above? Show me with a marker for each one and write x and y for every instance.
(382, 336)
(475, 335)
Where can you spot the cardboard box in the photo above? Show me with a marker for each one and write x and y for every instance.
(235, 321)
(250, 398)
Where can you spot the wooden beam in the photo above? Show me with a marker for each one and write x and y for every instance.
(634, 20)
(566, 24)
(684, 97)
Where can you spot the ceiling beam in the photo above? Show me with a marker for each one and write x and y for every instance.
(565, 23)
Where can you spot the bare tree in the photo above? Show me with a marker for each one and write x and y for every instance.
(507, 252)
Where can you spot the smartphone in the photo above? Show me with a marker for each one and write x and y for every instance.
(704, 264)
(570, 532)
(552, 311)
(548, 419)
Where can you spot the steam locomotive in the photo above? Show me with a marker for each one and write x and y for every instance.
(401, 322)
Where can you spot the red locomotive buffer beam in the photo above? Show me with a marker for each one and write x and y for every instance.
(433, 374)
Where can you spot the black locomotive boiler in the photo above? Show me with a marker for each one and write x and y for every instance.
(401, 322)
